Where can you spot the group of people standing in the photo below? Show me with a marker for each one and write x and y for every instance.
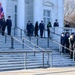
(69, 42)
(30, 28)
(4, 24)
(39, 26)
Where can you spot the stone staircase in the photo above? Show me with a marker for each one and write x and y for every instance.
(16, 61)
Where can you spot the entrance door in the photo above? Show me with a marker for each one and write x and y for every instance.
(46, 16)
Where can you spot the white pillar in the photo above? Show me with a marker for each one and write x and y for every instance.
(21, 14)
(61, 13)
(38, 10)
(55, 10)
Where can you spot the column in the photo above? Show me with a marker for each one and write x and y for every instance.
(21, 14)
(60, 17)
(38, 10)
(61, 13)
(55, 2)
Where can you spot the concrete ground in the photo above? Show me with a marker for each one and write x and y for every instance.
(48, 71)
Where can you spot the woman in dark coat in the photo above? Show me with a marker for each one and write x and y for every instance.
(48, 28)
(36, 28)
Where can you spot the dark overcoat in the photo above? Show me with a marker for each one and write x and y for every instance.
(9, 25)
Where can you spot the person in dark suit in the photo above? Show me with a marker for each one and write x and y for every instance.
(67, 41)
(9, 25)
(48, 28)
(67, 24)
(29, 28)
(3, 25)
(63, 41)
(56, 24)
(36, 28)
(41, 27)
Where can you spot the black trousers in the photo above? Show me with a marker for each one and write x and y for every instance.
(41, 33)
(9, 30)
(48, 31)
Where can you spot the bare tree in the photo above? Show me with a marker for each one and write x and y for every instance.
(69, 10)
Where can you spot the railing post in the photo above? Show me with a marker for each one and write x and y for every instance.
(5, 38)
(37, 40)
(54, 30)
(73, 55)
(21, 33)
(14, 31)
(50, 59)
(25, 60)
(30, 38)
(43, 59)
(44, 33)
(48, 42)
(22, 43)
(34, 50)
(12, 43)
(60, 48)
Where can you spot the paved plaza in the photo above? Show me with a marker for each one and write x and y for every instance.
(48, 71)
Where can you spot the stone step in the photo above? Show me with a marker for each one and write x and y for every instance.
(16, 61)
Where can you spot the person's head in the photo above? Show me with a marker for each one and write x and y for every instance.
(67, 33)
(62, 34)
(72, 33)
(36, 21)
(72, 36)
(29, 21)
(9, 17)
(56, 20)
(49, 22)
(41, 21)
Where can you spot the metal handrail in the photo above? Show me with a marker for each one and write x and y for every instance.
(63, 45)
(30, 51)
(49, 59)
(23, 43)
(12, 37)
(67, 29)
(64, 27)
(34, 44)
(21, 30)
(4, 52)
(31, 42)
(59, 43)
(50, 39)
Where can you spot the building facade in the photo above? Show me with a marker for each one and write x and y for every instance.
(21, 11)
